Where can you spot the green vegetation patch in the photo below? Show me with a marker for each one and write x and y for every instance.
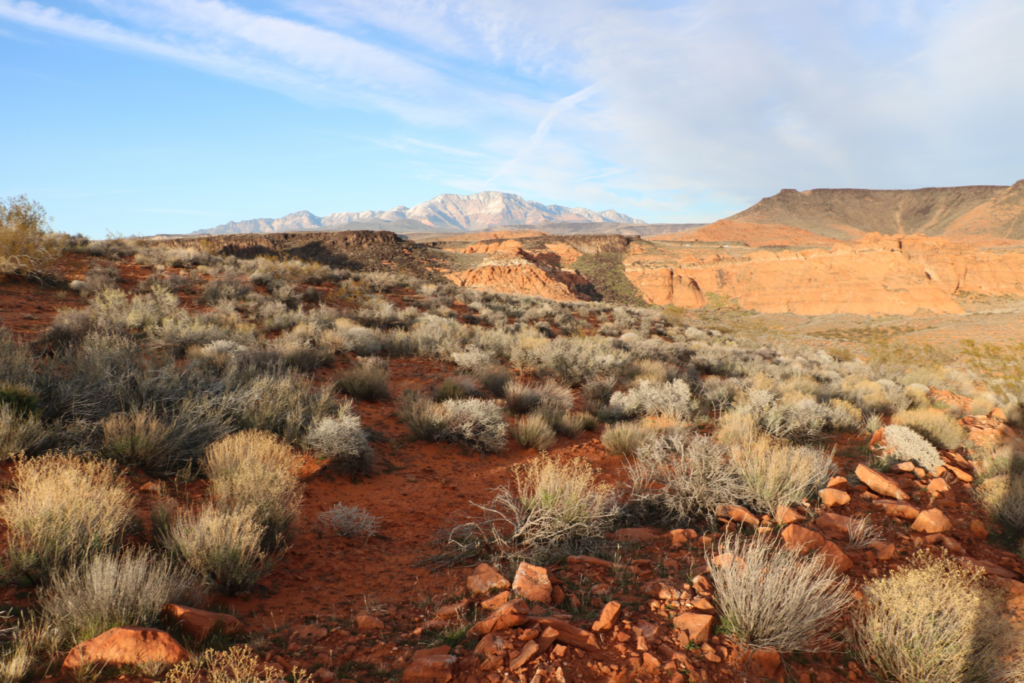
(608, 275)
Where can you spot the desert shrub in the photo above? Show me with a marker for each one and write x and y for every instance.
(571, 424)
(671, 400)
(844, 416)
(217, 289)
(138, 438)
(20, 432)
(917, 394)
(933, 620)
(675, 478)
(553, 508)
(96, 279)
(938, 427)
(359, 340)
(770, 597)
(720, 392)
(26, 243)
(494, 378)
(474, 422)
(473, 359)
(20, 398)
(17, 366)
(906, 444)
(873, 422)
(236, 665)
(350, 521)
(253, 470)
(862, 532)
(1003, 498)
(575, 360)
(126, 589)
(983, 405)
(533, 431)
(802, 420)
(285, 403)
(63, 512)
(28, 639)
(780, 474)
(737, 427)
(550, 396)
(626, 438)
(342, 440)
(222, 546)
(455, 387)
(367, 380)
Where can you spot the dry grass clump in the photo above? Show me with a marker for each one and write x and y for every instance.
(675, 478)
(571, 424)
(935, 425)
(533, 431)
(367, 380)
(770, 597)
(780, 474)
(671, 400)
(1003, 498)
(239, 664)
(350, 521)
(20, 432)
(343, 441)
(253, 470)
(139, 438)
(222, 546)
(626, 438)
(521, 398)
(26, 243)
(844, 416)
(126, 589)
(552, 509)
(933, 620)
(457, 387)
(863, 532)
(62, 512)
(906, 444)
(288, 404)
(474, 422)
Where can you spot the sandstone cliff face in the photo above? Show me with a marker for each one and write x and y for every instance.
(519, 276)
(878, 275)
(751, 234)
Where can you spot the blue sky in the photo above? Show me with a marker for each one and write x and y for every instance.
(147, 116)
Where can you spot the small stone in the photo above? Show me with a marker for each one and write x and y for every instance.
(884, 551)
(702, 585)
(960, 474)
(532, 583)
(978, 529)
(485, 579)
(324, 675)
(697, 627)
(609, 615)
(199, 624)
(764, 663)
(738, 514)
(840, 483)
(454, 611)
(787, 515)
(496, 601)
(126, 646)
(528, 651)
(802, 540)
(368, 622)
(569, 634)
(880, 483)
(839, 560)
(430, 668)
(938, 485)
(898, 509)
(833, 497)
(726, 560)
(505, 617)
(833, 522)
(932, 522)
(638, 535)
(680, 537)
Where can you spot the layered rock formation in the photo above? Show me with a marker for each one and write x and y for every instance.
(751, 234)
(879, 275)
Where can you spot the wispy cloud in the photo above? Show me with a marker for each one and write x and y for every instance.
(655, 104)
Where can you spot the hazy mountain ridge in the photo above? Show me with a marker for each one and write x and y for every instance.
(442, 213)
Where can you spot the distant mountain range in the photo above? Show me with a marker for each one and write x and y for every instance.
(445, 213)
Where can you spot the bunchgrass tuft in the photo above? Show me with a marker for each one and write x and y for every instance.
(533, 431)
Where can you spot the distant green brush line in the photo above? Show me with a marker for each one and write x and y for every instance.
(608, 275)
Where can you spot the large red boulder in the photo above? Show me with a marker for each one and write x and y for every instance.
(126, 646)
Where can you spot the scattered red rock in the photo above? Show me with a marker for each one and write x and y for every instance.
(532, 583)
(199, 624)
(126, 646)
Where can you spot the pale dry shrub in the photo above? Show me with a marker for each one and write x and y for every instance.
(253, 470)
(906, 444)
(521, 397)
(494, 378)
(342, 440)
(781, 474)
(138, 438)
(63, 511)
(863, 532)
(553, 508)
(671, 400)
(20, 432)
(983, 405)
(1003, 498)
(917, 394)
(675, 478)
(236, 665)
(844, 416)
(475, 422)
(933, 620)
(935, 425)
(802, 419)
(455, 387)
(873, 422)
(626, 438)
(533, 431)
(287, 404)
(16, 363)
(350, 521)
(771, 597)
(367, 380)
(222, 546)
(571, 424)
(126, 589)
(26, 243)
(30, 638)
(737, 427)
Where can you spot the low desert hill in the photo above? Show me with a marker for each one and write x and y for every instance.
(844, 214)
(750, 234)
(444, 213)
